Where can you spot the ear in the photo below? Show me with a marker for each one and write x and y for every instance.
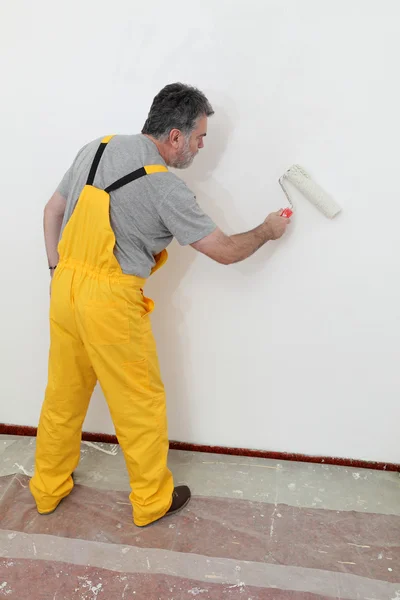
(174, 137)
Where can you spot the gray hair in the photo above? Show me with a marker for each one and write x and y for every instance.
(176, 106)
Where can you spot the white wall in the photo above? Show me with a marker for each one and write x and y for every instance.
(297, 348)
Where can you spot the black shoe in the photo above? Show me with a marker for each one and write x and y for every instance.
(180, 498)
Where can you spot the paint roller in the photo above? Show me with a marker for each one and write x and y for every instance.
(302, 181)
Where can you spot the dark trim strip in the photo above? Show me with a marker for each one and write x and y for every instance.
(111, 439)
(126, 179)
(95, 163)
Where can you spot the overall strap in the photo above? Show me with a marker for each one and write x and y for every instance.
(147, 170)
(96, 160)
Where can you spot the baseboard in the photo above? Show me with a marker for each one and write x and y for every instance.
(111, 439)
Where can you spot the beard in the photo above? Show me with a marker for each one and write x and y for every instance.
(185, 158)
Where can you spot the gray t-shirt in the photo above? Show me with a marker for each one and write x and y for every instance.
(146, 214)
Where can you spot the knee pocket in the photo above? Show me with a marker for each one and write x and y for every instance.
(138, 381)
(146, 399)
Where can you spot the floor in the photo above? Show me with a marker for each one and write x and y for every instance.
(255, 530)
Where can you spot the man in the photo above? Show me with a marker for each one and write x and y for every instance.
(115, 212)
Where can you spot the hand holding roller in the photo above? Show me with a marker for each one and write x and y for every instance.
(287, 213)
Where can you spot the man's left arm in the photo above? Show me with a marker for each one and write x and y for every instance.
(52, 223)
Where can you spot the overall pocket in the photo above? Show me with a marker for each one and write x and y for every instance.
(107, 324)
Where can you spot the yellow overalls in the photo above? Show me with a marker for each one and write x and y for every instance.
(100, 330)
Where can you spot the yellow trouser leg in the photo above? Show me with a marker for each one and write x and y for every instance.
(129, 374)
(70, 386)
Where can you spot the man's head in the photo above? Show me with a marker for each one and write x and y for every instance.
(177, 122)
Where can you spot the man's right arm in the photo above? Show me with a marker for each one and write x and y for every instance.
(231, 249)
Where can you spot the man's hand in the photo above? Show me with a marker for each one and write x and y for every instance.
(276, 224)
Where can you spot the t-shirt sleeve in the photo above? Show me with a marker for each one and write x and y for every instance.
(183, 216)
(65, 184)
